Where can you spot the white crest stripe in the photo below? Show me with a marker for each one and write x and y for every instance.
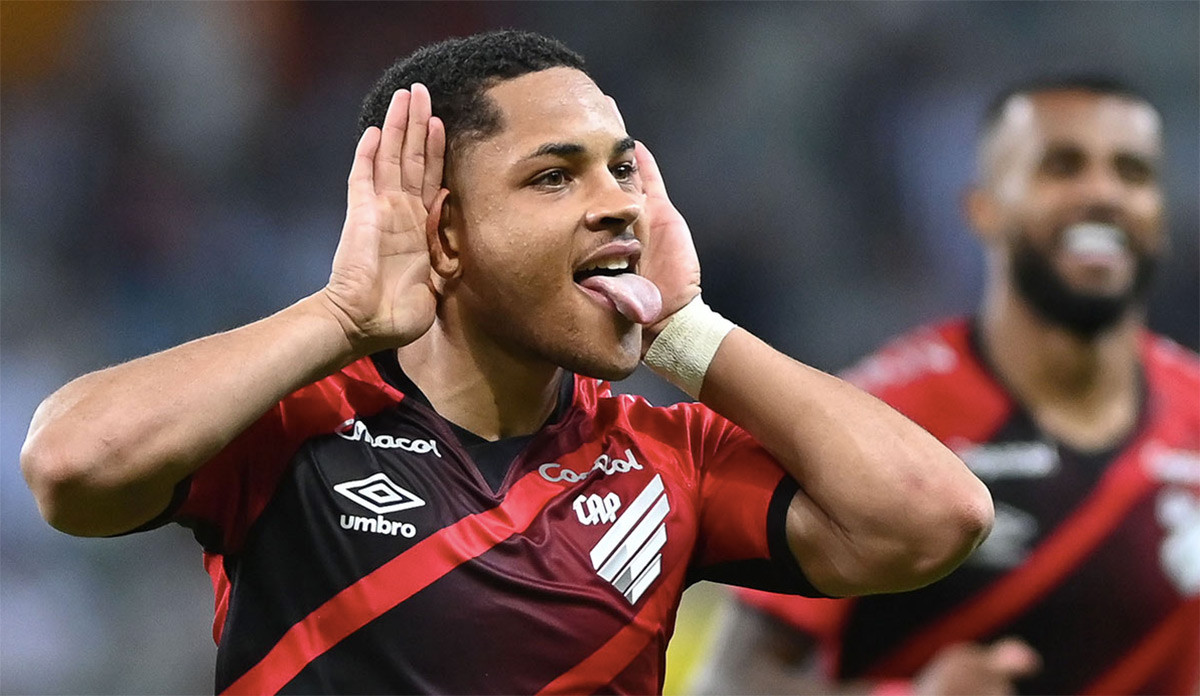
(645, 527)
(633, 594)
(626, 521)
(640, 559)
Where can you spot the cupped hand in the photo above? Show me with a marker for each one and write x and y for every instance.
(670, 260)
(380, 289)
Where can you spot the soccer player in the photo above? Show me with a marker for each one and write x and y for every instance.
(1085, 426)
(415, 479)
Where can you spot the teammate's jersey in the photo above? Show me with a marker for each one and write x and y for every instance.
(360, 543)
(1094, 558)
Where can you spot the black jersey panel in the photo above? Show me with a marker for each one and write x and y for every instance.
(879, 624)
(1128, 562)
(348, 503)
(545, 620)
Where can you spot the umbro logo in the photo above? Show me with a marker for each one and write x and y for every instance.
(379, 494)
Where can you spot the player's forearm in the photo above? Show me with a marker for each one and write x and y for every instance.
(759, 678)
(104, 452)
(753, 652)
(884, 506)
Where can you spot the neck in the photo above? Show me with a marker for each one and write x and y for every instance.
(477, 385)
(1083, 391)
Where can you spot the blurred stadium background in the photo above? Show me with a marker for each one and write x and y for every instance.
(174, 169)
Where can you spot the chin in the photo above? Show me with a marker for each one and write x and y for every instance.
(614, 364)
(609, 373)
(612, 367)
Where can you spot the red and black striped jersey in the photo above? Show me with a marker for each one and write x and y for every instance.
(1094, 558)
(357, 545)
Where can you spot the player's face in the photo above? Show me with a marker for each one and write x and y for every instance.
(547, 209)
(1078, 203)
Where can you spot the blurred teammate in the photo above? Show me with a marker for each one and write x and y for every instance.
(414, 480)
(1084, 425)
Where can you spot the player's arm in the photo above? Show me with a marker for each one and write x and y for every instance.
(883, 506)
(105, 452)
(754, 652)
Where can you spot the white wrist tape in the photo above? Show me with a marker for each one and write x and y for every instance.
(685, 348)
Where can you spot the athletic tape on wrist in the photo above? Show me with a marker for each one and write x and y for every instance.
(685, 348)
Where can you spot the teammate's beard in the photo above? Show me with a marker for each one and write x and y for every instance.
(1087, 315)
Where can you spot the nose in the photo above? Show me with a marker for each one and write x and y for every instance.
(614, 206)
(1102, 187)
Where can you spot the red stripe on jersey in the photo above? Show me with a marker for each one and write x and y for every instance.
(232, 489)
(214, 563)
(1174, 637)
(393, 582)
(1121, 488)
(600, 668)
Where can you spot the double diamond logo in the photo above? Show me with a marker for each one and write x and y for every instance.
(379, 494)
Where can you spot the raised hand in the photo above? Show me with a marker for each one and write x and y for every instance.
(381, 287)
(670, 260)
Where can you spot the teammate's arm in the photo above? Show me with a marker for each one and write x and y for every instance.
(883, 506)
(754, 652)
(105, 452)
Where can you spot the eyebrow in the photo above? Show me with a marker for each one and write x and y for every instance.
(1060, 146)
(574, 149)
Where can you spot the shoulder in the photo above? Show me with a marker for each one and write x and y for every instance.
(1167, 358)
(672, 424)
(1172, 373)
(923, 354)
(356, 388)
(939, 357)
(934, 375)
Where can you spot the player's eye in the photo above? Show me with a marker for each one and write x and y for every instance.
(552, 178)
(1134, 170)
(624, 171)
(1061, 163)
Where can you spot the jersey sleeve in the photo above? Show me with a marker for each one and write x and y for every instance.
(223, 498)
(744, 499)
(821, 618)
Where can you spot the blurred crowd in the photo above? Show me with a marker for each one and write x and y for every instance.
(170, 169)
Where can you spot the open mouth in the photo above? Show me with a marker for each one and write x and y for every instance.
(1094, 238)
(1095, 244)
(615, 279)
(607, 267)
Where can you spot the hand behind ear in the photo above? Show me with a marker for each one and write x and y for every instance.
(670, 260)
(380, 287)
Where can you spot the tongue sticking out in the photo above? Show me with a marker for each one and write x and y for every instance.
(636, 298)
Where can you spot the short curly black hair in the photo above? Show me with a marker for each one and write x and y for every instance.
(459, 71)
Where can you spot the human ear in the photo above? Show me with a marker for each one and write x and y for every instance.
(443, 234)
(982, 211)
